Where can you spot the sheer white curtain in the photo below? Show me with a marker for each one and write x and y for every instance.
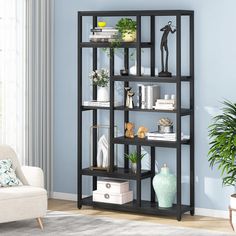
(12, 75)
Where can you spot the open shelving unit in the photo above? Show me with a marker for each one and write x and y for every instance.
(138, 205)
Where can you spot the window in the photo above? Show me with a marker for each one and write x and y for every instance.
(12, 74)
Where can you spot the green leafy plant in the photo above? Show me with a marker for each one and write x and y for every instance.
(126, 26)
(133, 157)
(223, 143)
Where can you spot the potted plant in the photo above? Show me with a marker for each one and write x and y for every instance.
(134, 158)
(127, 27)
(100, 78)
(223, 149)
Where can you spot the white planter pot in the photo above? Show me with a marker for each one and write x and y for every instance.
(233, 206)
(103, 94)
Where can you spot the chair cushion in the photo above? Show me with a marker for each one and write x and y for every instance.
(21, 192)
(7, 174)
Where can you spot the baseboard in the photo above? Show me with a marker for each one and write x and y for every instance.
(64, 196)
(212, 213)
(198, 211)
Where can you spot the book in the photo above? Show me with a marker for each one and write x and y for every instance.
(104, 29)
(164, 107)
(157, 134)
(165, 101)
(184, 137)
(94, 103)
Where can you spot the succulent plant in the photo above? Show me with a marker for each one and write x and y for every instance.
(165, 122)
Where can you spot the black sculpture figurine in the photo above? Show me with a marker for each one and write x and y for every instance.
(164, 45)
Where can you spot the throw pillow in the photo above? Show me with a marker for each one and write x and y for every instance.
(7, 174)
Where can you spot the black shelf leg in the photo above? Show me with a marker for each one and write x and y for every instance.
(79, 131)
(178, 116)
(153, 157)
(139, 182)
(192, 172)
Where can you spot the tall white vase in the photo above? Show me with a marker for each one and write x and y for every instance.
(233, 206)
(103, 94)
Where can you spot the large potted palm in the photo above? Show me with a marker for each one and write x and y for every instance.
(222, 151)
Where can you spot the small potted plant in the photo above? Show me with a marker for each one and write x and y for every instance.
(134, 158)
(127, 28)
(100, 78)
(222, 151)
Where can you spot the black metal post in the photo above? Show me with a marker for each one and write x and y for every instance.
(79, 111)
(138, 181)
(152, 49)
(138, 48)
(178, 115)
(192, 172)
(153, 158)
(94, 111)
(112, 121)
(126, 113)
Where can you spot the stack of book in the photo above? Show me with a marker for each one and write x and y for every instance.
(99, 104)
(165, 104)
(165, 136)
(105, 34)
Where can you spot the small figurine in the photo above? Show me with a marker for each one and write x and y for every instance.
(142, 132)
(129, 98)
(129, 130)
(164, 46)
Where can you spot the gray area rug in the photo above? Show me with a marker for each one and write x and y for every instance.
(58, 223)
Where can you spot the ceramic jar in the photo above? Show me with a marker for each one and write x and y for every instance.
(164, 185)
(103, 94)
(129, 37)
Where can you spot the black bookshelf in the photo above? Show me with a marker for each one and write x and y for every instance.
(138, 205)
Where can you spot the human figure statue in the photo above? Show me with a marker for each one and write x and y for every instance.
(164, 46)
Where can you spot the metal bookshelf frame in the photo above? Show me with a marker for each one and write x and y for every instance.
(138, 205)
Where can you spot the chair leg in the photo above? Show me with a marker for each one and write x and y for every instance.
(40, 222)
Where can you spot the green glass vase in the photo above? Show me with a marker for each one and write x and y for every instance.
(164, 185)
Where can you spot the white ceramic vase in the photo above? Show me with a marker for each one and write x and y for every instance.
(103, 94)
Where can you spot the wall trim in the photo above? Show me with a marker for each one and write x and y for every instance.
(198, 211)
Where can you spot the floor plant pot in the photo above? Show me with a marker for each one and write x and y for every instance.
(232, 211)
(103, 94)
(164, 185)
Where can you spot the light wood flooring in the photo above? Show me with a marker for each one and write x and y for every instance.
(202, 222)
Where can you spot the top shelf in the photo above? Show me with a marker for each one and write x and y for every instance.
(109, 45)
(137, 13)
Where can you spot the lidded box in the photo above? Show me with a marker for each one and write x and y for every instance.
(112, 186)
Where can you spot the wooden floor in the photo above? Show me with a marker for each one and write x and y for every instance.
(187, 220)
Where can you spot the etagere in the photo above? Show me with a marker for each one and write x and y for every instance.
(138, 205)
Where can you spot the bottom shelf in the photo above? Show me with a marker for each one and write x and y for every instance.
(146, 207)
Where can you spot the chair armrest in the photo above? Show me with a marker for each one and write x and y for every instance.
(34, 176)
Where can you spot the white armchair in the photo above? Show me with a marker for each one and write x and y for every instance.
(23, 202)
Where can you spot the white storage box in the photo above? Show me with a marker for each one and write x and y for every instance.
(112, 186)
(118, 198)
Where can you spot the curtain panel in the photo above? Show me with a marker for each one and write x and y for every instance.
(39, 86)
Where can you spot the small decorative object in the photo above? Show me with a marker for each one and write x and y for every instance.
(102, 154)
(142, 132)
(166, 96)
(129, 130)
(164, 185)
(124, 72)
(127, 28)
(164, 46)
(129, 97)
(100, 78)
(102, 23)
(165, 126)
(222, 150)
(134, 158)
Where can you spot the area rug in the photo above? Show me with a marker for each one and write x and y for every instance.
(58, 223)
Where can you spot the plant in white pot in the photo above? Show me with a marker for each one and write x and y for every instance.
(100, 78)
(223, 150)
(127, 28)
